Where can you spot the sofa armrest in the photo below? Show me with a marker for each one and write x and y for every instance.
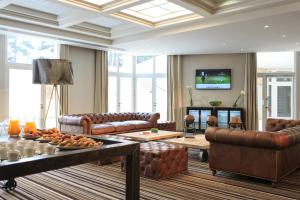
(75, 120)
(260, 139)
(154, 118)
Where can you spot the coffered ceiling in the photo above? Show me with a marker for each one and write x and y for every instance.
(128, 24)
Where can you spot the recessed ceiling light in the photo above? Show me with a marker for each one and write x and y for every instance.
(297, 43)
(284, 36)
(266, 26)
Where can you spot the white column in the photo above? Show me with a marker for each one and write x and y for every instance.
(3, 81)
(297, 85)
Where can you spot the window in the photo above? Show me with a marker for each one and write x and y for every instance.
(275, 86)
(23, 49)
(29, 101)
(120, 93)
(151, 84)
(137, 83)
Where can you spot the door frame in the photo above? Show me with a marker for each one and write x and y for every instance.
(264, 77)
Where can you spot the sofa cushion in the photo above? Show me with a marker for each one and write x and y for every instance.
(121, 126)
(98, 129)
(139, 124)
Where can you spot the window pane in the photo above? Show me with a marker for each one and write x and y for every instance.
(112, 94)
(161, 64)
(275, 62)
(125, 94)
(24, 97)
(50, 122)
(113, 61)
(161, 97)
(144, 95)
(144, 64)
(125, 63)
(23, 48)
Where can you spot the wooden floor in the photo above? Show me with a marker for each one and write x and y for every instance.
(92, 182)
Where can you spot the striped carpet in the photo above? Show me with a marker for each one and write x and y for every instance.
(92, 182)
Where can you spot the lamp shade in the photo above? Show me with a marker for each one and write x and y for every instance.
(52, 72)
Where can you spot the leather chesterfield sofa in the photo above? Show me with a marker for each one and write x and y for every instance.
(108, 123)
(161, 160)
(271, 154)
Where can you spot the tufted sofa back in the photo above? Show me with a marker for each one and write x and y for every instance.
(98, 118)
(279, 124)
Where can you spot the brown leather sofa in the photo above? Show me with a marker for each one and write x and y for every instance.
(269, 155)
(108, 123)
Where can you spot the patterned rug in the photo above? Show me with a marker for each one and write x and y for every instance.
(92, 182)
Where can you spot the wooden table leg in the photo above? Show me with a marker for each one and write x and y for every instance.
(133, 175)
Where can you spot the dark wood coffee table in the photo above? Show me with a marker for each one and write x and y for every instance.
(111, 148)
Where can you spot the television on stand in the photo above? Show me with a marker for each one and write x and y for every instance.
(213, 79)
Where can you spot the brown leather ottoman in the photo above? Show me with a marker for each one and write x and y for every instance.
(166, 125)
(161, 160)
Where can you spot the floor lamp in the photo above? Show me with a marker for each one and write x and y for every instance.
(52, 72)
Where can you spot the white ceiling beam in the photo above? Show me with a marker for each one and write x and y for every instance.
(4, 3)
(52, 32)
(76, 18)
(90, 12)
(197, 7)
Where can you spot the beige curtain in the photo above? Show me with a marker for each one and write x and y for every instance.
(101, 82)
(64, 94)
(250, 100)
(174, 74)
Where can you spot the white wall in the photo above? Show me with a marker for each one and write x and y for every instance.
(235, 62)
(297, 84)
(81, 94)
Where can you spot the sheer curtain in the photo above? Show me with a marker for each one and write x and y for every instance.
(101, 82)
(175, 104)
(250, 100)
(64, 95)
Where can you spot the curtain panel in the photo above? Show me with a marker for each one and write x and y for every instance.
(101, 82)
(175, 104)
(64, 94)
(250, 100)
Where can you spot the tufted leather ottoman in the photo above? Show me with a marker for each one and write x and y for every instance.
(166, 125)
(161, 160)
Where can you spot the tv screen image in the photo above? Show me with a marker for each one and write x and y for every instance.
(216, 79)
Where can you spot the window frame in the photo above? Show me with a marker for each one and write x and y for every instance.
(134, 76)
(26, 66)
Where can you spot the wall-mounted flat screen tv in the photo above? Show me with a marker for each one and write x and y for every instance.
(213, 79)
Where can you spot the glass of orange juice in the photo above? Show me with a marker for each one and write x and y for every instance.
(14, 128)
(29, 127)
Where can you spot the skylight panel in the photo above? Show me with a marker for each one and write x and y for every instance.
(98, 2)
(157, 10)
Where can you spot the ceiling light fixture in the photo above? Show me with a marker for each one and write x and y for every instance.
(297, 43)
(284, 36)
(266, 26)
